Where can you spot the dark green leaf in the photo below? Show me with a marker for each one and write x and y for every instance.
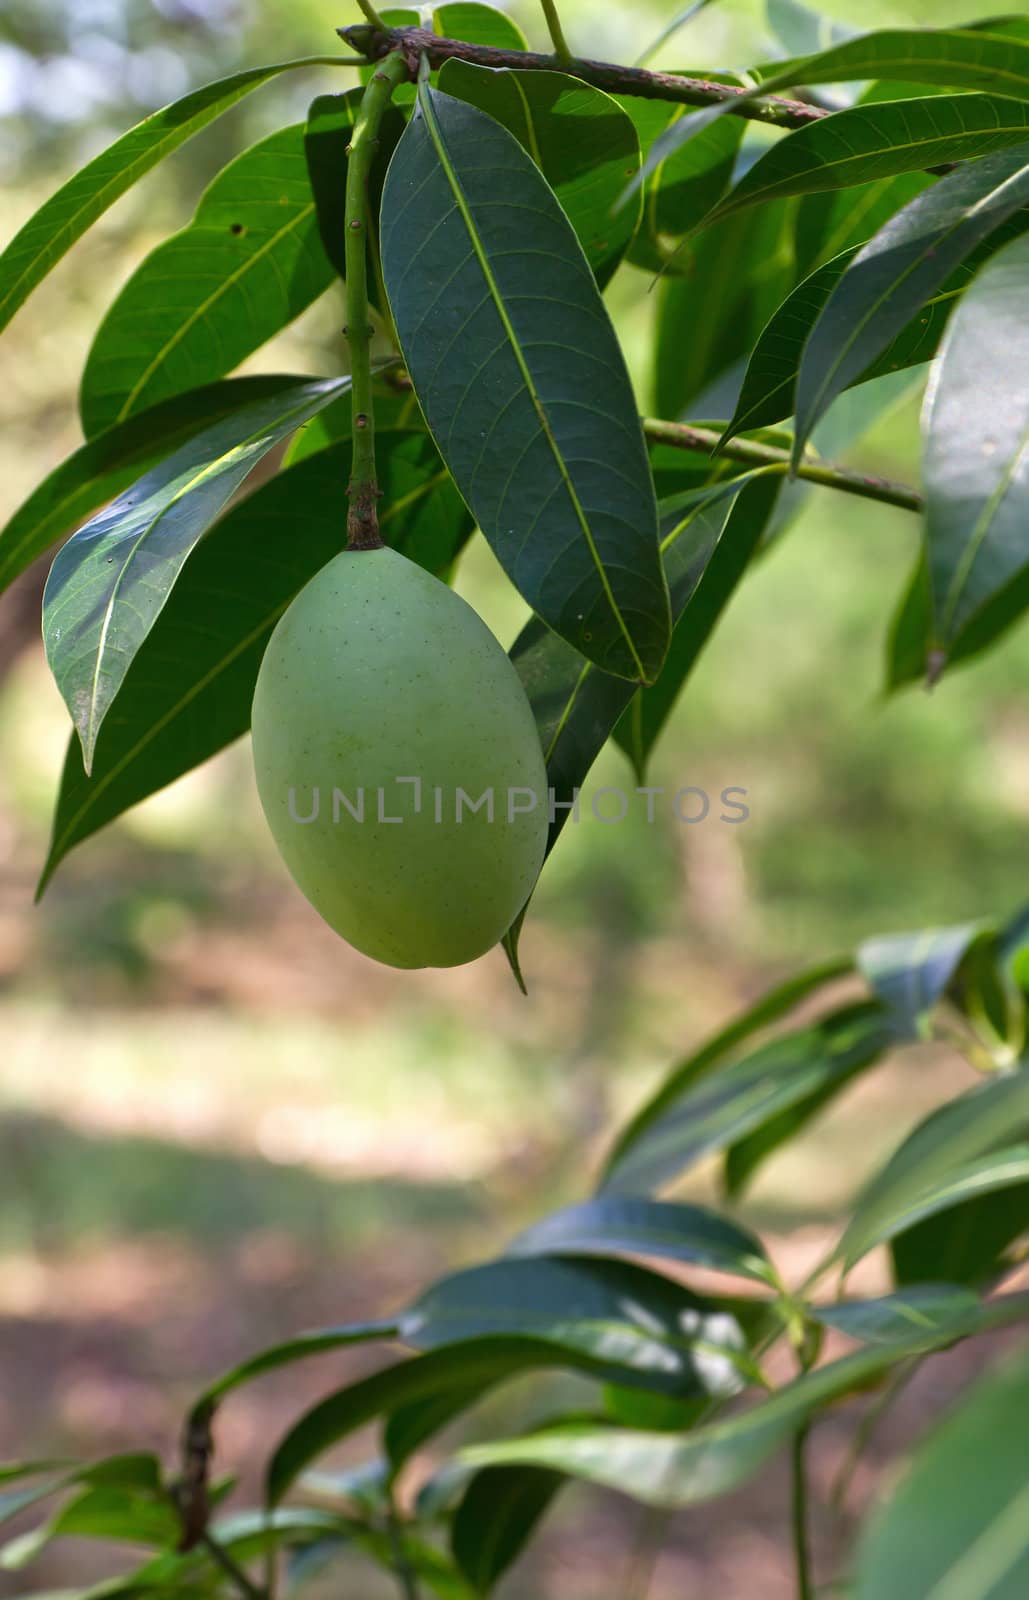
(739, 539)
(768, 1010)
(67, 215)
(283, 1355)
(110, 581)
(911, 971)
(899, 271)
(581, 140)
(929, 1308)
(611, 1311)
(101, 469)
(250, 261)
(189, 689)
(977, 447)
(982, 1120)
(709, 318)
(877, 141)
(959, 1225)
(686, 1469)
(909, 641)
(476, 23)
(837, 220)
(613, 1225)
(721, 1108)
(523, 383)
(954, 1526)
(497, 1516)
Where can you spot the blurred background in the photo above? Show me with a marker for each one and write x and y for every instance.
(218, 1124)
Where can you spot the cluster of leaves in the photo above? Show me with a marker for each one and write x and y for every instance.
(859, 245)
(583, 1292)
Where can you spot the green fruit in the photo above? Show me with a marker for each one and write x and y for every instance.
(379, 672)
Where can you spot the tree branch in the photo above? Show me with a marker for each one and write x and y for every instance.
(684, 436)
(374, 43)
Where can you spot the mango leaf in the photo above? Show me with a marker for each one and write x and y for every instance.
(802, 31)
(100, 469)
(613, 1225)
(523, 383)
(719, 1109)
(877, 141)
(910, 972)
(641, 724)
(467, 1368)
(997, 1170)
(109, 583)
(985, 1119)
(477, 23)
(925, 1308)
(188, 691)
(946, 1530)
(958, 59)
(614, 1311)
(580, 138)
(763, 1014)
(670, 1469)
(249, 262)
(682, 189)
(67, 215)
(967, 1242)
(976, 464)
(899, 271)
(837, 220)
(498, 1514)
(709, 320)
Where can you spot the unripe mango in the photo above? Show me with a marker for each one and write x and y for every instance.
(376, 673)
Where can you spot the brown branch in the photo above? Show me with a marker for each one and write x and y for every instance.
(374, 43)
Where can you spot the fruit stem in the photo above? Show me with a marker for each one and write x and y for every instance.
(363, 489)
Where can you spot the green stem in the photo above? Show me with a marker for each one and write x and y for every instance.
(368, 11)
(221, 1558)
(554, 28)
(362, 518)
(683, 436)
(801, 1546)
(402, 1569)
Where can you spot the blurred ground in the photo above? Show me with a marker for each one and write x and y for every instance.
(218, 1125)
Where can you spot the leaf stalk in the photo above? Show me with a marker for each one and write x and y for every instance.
(754, 453)
(363, 489)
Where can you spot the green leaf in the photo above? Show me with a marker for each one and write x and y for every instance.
(763, 1014)
(958, 59)
(984, 1119)
(709, 319)
(124, 1514)
(1000, 1169)
(613, 1225)
(611, 1311)
(460, 1370)
(106, 465)
(665, 1469)
(910, 972)
(802, 31)
(476, 23)
(976, 464)
(523, 383)
(721, 1108)
(740, 538)
(681, 190)
(580, 138)
(188, 691)
(837, 220)
(954, 1527)
(67, 215)
(899, 271)
(110, 581)
(249, 262)
(496, 1517)
(877, 141)
(928, 1307)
